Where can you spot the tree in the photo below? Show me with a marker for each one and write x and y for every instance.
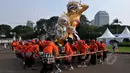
(30, 22)
(41, 26)
(51, 25)
(5, 30)
(84, 20)
(83, 27)
(116, 21)
(24, 31)
(44, 26)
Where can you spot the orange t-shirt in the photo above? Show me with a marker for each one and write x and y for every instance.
(36, 47)
(93, 47)
(30, 48)
(68, 49)
(14, 44)
(50, 47)
(103, 46)
(18, 47)
(81, 46)
(25, 47)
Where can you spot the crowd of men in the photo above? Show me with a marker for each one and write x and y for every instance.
(52, 54)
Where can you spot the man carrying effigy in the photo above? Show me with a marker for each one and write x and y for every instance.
(93, 49)
(82, 48)
(104, 49)
(99, 54)
(69, 52)
(29, 51)
(50, 50)
(17, 47)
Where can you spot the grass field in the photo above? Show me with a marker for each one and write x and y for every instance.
(121, 49)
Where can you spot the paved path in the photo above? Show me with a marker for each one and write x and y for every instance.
(9, 64)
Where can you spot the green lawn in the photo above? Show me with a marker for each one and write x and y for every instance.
(121, 49)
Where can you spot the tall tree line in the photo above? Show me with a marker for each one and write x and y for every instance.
(46, 26)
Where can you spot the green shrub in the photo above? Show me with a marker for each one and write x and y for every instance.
(126, 44)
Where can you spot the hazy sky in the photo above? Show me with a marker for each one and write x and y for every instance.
(15, 12)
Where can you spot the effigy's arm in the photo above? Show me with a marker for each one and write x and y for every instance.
(83, 8)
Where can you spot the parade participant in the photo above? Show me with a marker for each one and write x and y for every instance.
(99, 54)
(29, 60)
(18, 47)
(104, 48)
(74, 49)
(35, 52)
(93, 48)
(69, 52)
(35, 48)
(50, 50)
(24, 51)
(82, 49)
(40, 43)
(14, 44)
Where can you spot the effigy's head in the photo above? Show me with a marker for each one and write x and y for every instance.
(63, 20)
(72, 6)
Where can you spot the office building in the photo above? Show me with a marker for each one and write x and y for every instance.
(101, 18)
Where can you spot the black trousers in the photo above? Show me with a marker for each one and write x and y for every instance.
(47, 68)
(93, 59)
(29, 61)
(67, 62)
(19, 55)
(104, 55)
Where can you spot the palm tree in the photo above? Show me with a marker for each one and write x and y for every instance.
(116, 22)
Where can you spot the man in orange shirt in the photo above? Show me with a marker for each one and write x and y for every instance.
(28, 53)
(99, 54)
(14, 44)
(50, 50)
(69, 52)
(103, 47)
(93, 49)
(17, 46)
(35, 52)
(36, 49)
(82, 49)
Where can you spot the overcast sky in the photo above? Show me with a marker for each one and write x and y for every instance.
(15, 12)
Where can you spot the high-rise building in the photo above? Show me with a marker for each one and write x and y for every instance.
(30, 24)
(92, 22)
(101, 18)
